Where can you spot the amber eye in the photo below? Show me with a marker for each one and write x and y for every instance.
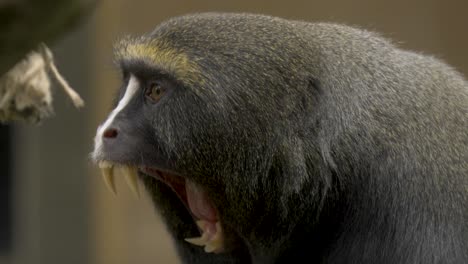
(155, 91)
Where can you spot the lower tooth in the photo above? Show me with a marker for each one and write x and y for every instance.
(211, 243)
(198, 241)
(216, 243)
(210, 248)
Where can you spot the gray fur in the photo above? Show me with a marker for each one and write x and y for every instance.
(320, 143)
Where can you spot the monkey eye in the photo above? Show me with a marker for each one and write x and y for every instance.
(155, 91)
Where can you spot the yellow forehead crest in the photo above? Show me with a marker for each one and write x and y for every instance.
(159, 55)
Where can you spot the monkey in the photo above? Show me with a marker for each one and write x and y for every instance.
(267, 140)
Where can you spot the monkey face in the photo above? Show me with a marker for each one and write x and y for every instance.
(149, 133)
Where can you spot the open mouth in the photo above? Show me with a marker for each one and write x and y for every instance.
(193, 196)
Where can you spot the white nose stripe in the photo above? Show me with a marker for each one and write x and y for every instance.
(131, 90)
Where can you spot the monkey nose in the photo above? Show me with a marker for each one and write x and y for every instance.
(110, 133)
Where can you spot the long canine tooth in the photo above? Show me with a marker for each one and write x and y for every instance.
(108, 176)
(198, 241)
(131, 177)
(105, 164)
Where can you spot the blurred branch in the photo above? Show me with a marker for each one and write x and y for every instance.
(26, 23)
(26, 68)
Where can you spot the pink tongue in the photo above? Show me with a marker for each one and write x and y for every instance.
(200, 203)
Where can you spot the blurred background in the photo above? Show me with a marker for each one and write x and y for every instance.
(54, 208)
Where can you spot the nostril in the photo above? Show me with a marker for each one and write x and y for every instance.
(110, 133)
